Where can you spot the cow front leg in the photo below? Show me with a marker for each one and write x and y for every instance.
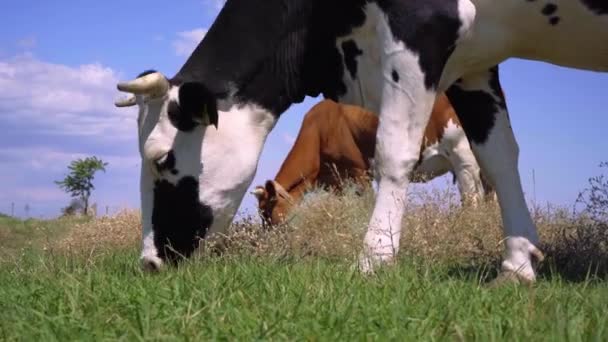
(404, 113)
(481, 108)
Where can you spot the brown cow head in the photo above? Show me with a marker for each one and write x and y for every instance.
(274, 202)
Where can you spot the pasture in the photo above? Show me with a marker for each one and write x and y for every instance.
(78, 280)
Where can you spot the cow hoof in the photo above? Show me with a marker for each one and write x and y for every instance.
(520, 266)
(151, 263)
(520, 261)
(370, 264)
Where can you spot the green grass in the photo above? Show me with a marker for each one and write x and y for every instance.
(16, 234)
(53, 297)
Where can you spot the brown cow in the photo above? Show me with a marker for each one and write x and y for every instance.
(337, 142)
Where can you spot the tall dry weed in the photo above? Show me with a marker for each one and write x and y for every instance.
(435, 228)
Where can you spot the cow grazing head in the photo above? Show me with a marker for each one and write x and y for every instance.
(197, 162)
(274, 202)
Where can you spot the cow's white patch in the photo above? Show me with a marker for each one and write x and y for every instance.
(229, 168)
(223, 168)
(466, 13)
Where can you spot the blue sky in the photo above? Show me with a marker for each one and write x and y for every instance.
(60, 61)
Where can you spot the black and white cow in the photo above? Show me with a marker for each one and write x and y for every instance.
(389, 56)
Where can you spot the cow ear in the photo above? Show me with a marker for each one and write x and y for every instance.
(271, 191)
(259, 192)
(196, 100)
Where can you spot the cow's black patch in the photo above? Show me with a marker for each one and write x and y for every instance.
(179, 220)
(554, 20)
(395, 76)
(549, 9)
(351, 51)
(168, 164)
(196, 101)
(278, 61)
(429, 28)
(477, 109)
(599, 7)
(307, 61)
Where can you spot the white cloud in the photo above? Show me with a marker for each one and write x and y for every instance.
(51, 114)
(63, 100)
(27, 42)
(35, 194)
(187, 41)
(49, 160)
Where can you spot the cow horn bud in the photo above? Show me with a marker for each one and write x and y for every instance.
(126, 102)
(259, 192)
(154, 84)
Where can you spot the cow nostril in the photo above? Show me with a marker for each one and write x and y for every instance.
(166, 162)
(151, 264)
(160, 161)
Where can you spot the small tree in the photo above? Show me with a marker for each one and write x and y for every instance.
(595, 197)
(79, 182)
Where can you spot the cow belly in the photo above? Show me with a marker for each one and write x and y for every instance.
(577, 38)
(430, 167)
(576, 41)
(562, 32)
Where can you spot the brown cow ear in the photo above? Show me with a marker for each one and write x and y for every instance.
(271, 191)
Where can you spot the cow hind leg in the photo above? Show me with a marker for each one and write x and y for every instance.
(481, 107)
(467, 172)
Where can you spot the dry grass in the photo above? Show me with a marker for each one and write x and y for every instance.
(122, 230)
(436, 229)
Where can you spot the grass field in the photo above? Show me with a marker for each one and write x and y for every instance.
(297, 282)
(248, 298)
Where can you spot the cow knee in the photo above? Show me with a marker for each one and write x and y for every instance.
(396, 168)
